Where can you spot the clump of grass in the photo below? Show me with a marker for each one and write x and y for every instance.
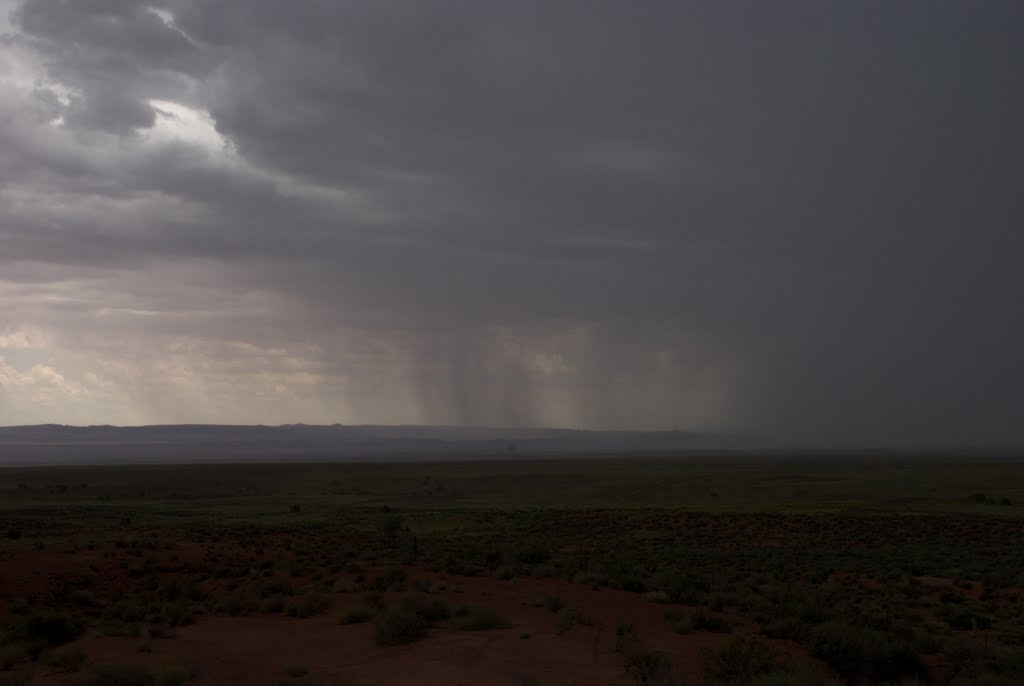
(681, 623)
(650, 667)
(117, 628)
(119, 674)
(625, 636)
(298, 681)
(802, 676)
(272, 605)
(430, 609)
(646, 666)
(356, 615)
(177, 676)
(19, 607)
(84, 599)
(399, 626)
(309, 605)
(683, 626)
(393, 580)
(410, 620)
(479, 619)
(374, 601)
(569, 617)
(706, 621)
(156, 630)
(343, 585)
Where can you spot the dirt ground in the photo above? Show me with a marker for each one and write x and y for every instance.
(261, 649)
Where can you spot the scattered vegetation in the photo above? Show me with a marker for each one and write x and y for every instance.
(743, 660)
(836, 560)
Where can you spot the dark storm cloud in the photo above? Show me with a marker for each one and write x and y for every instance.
(116, 54)
(795, 218)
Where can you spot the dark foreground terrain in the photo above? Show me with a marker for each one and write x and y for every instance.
(515, 573)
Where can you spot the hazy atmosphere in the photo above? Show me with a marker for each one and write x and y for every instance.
(801, 219)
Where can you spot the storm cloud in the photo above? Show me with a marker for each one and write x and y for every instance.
(792, 219)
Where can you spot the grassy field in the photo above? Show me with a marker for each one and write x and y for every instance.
(860, 571)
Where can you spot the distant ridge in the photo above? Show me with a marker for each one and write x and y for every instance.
(62, 444)
(55, 444)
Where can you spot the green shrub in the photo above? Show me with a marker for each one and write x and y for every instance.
(706, 621)
(480, 619)
(180, 614)
(553, 603)
(276, 588)
(399, 626)
(840, 647)
(70, 660)
(272, 605)
(683, 626)
(12, 654)
(855, 653)
(570, 617)
(744, 659)
(53, 628)
(127, 674)
(625, 636)
(356, 615)
(534, 554)
(306, 680)
(84, 599)
(117, 628)
(23, 678)
(19, 607)
(176, 676)
(646, 666)
(374, 601)
(802, 676)
(309, 605)
(393, 580)
(430, 609)
(789, 628)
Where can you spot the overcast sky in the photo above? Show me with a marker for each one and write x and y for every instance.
(792, 218)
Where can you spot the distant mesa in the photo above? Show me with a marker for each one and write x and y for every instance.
(62, 444)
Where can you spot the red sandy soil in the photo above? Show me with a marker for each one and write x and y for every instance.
(257, 649)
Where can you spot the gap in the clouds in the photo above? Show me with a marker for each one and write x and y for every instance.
(175, 121)
(167, 17)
